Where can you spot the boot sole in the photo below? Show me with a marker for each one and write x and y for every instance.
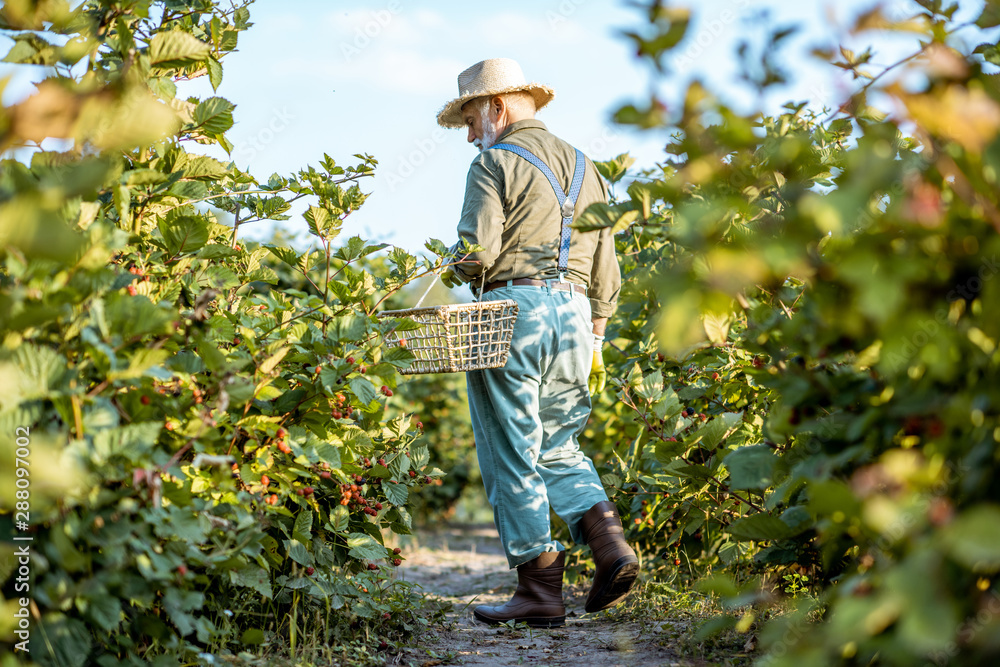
(625, 571)
(534, 622)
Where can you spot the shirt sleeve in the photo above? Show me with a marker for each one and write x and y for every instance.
(482, 220)
(605, 277)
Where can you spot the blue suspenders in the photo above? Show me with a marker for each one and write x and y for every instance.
(567, 203)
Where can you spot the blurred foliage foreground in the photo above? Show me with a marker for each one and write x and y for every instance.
(806, 418)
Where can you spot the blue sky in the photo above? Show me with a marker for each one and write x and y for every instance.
(315, 76)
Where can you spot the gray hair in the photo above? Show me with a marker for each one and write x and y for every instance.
(520, 101)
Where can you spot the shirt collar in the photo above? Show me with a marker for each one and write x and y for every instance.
(529, 123)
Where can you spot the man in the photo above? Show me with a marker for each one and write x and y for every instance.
(523, 191)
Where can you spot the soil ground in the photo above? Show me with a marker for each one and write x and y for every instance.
(464, 565)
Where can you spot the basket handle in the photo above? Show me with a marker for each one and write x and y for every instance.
(482, 283)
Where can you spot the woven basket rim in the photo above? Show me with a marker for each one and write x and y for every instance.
(450, 307)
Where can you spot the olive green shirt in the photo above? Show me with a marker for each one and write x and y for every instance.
(511, 211)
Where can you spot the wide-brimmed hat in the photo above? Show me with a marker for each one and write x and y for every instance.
(491, 77)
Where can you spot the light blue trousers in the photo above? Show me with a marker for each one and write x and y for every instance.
(527, 418)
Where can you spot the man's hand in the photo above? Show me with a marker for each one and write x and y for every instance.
(598, 376)
(450, 279)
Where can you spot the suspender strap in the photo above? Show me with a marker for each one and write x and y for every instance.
(567, 204)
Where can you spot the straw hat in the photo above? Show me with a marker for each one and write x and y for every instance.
(491, 77)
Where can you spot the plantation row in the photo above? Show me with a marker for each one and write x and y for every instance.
(803, 421)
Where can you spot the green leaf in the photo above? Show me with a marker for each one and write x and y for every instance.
(269, 364)
(364, 547)
(214, 116)
(286, 255)
(990, 17)
(399, 467)
(214, 72)
(142, 361)
(214, 359)
(396, 493)
(363, 389)
(184, 234)
(421, 456)
(302, 530)
(340, 518)
(122, 200)
(972, 538)
(348, 328)
(298, 552)
(253, 636)
(716, 430)
(751, 467)
(253, 577)
(70, 641)
(176, 49)
(613, 170)
(760, 527)
(600, 215)
(178, 603)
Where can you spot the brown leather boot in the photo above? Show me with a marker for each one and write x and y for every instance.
(538, 599)
(616, 564)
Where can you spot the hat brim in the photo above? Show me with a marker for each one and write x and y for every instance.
(451, 115)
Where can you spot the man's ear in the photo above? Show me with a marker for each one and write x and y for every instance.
(499, 105)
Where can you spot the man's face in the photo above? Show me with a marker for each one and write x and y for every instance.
(481, 123)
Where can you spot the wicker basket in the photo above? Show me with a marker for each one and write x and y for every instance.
(456, 338)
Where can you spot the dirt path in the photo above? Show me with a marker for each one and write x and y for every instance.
(464, 565)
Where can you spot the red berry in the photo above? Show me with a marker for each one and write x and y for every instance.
(284, 448)
(638, 521)
(381, 462)
(300, 492)
(132, 290)
(281, 433)
(272, 499)
(238, 248)
(397, 562)
(715, 376)
(413, 473)
(182, 570)
(325, 474)
(169, 426)
(237, 341)
(378, 506)
(384, 389)
(308, 490)
(265, 480)
(677, 561)
(350, 360)
(372, 566)
(397, 551)
(362, 369)
(387, 616)
(144, 400)
(420, 424)
(382, 646)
